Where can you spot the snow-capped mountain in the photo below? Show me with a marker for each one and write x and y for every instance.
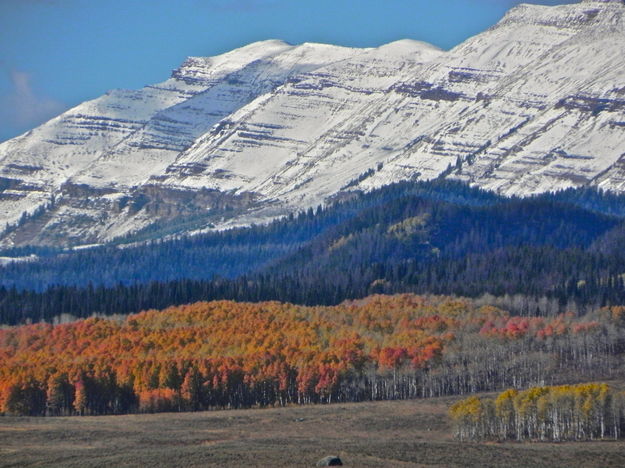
(535, 103)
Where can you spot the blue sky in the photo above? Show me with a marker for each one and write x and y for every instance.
(55, 54)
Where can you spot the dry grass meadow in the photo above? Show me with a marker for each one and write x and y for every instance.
(381, 434)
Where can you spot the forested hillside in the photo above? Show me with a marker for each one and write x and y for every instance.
(233, 355)
(566, 249)
(226, 254)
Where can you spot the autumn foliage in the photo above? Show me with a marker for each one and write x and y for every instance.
(230, 355)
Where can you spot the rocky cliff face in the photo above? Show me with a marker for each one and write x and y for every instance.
(535, 103)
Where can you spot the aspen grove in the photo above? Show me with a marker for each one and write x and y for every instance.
(558, 413)
(225, 354)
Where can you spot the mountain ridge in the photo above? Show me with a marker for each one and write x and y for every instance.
(533, 104)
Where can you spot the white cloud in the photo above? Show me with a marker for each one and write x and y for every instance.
(22, 107)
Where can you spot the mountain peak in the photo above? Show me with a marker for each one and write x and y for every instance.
(410, 45)
(196, 70)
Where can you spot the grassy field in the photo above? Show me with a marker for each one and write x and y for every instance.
(383, 434)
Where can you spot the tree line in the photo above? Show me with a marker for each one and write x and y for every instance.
(528, 280)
